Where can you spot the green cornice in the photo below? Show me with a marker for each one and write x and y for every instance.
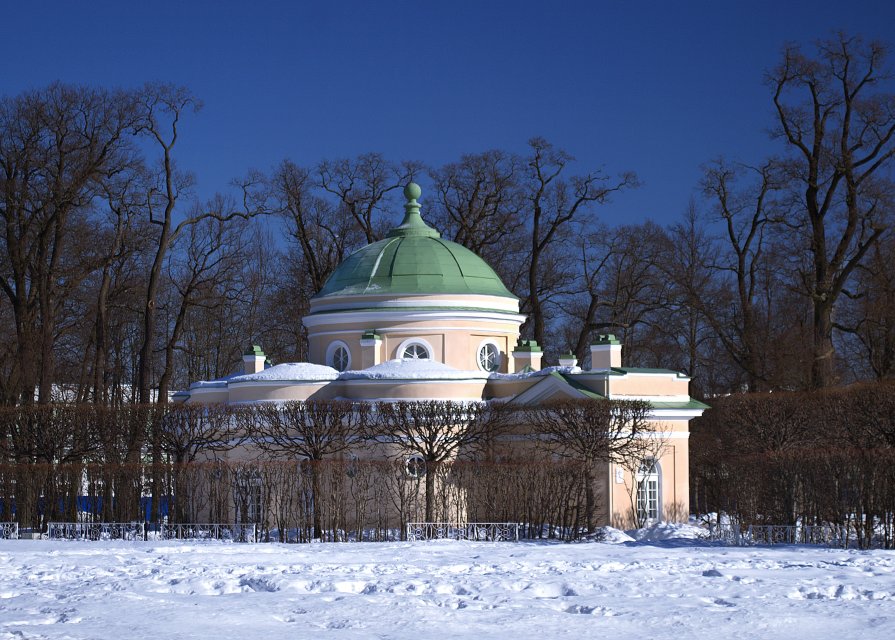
(627, 370)
(527, 346)
(254, 350)
(438, 309)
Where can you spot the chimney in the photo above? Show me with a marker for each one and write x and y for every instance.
(253, 360)
(568, 360)
(527, 356)
(605, 353)
(370, 346)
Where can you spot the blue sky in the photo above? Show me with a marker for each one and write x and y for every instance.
(658, 88)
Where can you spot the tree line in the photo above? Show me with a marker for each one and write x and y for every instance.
(120, 285)
(305, 465)
(800, 458)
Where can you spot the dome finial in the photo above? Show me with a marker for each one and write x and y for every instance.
(413, 224)
(412, 192)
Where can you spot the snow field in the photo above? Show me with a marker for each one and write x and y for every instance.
(673, 588)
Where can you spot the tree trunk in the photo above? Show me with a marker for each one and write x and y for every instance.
(430, 490)
(822, 363)
(590, 498)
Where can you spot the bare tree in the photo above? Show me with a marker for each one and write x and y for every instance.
(833, 112)
(745, 210)
(592, 432)
(436, 431)
(361, 184)
(56, 148)
(203, 274)
(312, 429)
(870, 314)
(554, 204)
(480, 205)
(161, 109)
(322, 233)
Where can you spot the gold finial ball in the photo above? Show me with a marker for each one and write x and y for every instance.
(412, 191)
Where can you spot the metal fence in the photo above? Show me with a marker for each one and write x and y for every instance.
(96, 531)
(9, 530)
(482, 531)
(771, 534)
(150, 531)
(828, 535)
(225, 532)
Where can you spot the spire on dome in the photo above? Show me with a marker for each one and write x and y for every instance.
(413, 223)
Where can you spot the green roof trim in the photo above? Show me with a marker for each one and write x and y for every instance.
(590, 393)
(606, 338)
(527, 346)
(413, 259)
(439, 308)
(691, 404)
(254, 350)
(627, 370)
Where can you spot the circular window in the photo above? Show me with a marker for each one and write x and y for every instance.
(338, 356)
(415, 466)
(489, 357)
(415, 351)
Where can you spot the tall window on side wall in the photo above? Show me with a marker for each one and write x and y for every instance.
(248, 496)
(648, 490)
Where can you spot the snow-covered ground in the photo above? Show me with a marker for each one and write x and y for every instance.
(663, 586)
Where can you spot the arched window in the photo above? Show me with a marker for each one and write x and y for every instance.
(415, 351)
(338, 356)
(488, 357)
(648, 490)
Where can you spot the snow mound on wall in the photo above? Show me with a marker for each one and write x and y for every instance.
(291, 371)
(410, 369)
(610, 535)
(209, 384)
(669, 531)
(540, 372)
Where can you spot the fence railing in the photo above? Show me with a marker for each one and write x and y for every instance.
(150, 531)
(771, 534)
(9, 530)
(226, 532)
(96, 531)
(481, 531)
(829, 535)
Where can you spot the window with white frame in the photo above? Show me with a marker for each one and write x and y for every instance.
(488, 357)
(648, 490)
(415, 351)
(338, 356)
(248, 496)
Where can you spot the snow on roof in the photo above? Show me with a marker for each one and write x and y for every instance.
(412, 369)
(546, 371)
(399, 369)
(291, 371)
(217, 382)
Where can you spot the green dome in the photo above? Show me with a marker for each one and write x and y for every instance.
(413, 259)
